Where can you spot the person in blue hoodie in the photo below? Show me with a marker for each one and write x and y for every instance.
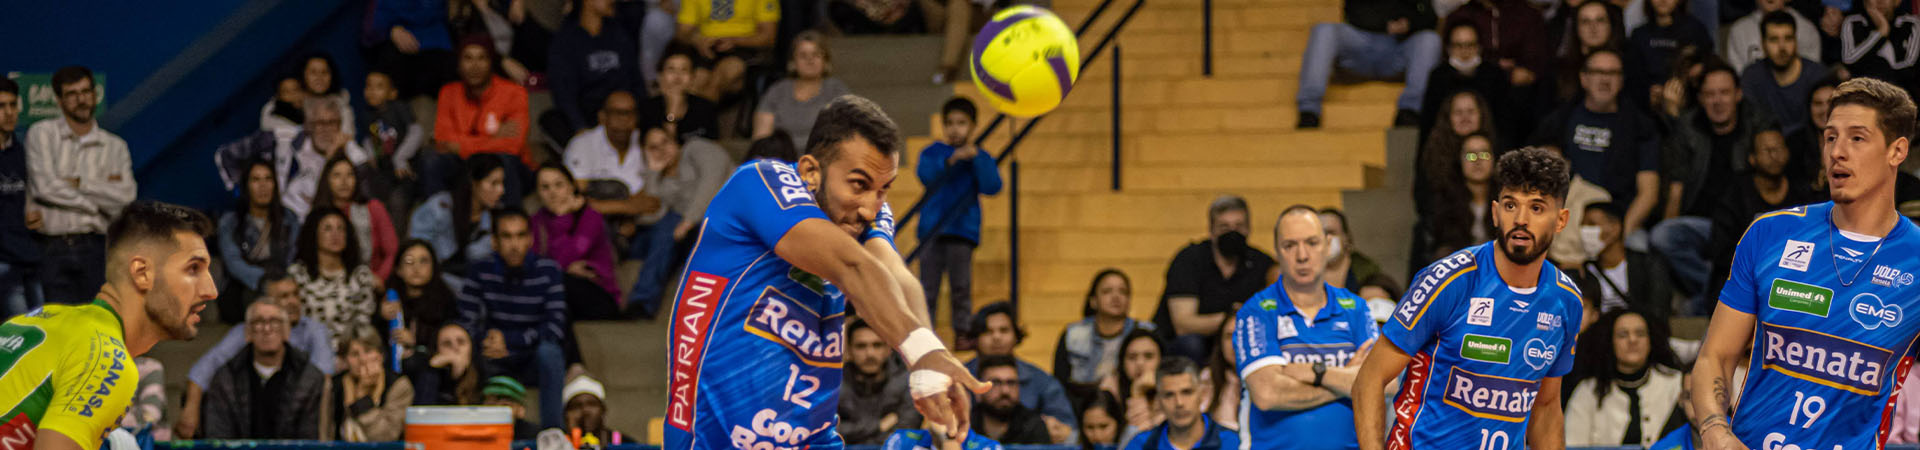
(955, 173)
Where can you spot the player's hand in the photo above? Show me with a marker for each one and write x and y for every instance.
(187, 426)
(1720, 438)
(954, 408)
(404, 40)
(1360, 357)
(581, 269)
(1059, 431)
(389, 310)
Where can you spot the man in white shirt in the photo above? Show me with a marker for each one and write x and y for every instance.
(611, 151)
(81, 177)
(301, 158)
(1746, 40)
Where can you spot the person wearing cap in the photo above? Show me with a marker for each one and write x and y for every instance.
(508, 392)
(587, 408)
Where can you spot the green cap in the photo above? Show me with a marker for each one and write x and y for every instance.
(505, 386)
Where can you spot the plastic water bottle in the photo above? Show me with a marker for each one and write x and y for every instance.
(394, 327)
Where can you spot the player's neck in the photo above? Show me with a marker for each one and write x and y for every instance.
(1517, 275)
(1307, 299)
(1871, 215)
(141, 335)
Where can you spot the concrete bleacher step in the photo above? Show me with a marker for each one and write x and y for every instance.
(895, 72)
(1236, 119)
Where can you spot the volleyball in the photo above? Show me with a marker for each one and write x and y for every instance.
(1025, 60)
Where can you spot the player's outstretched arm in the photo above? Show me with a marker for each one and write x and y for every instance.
(1727, 335)
(1384, 362)
(1547, 429)
(902, 275)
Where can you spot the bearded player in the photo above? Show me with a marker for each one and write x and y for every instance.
(757, 343)
(1820, 292)
(66, 371)
(1484, 334)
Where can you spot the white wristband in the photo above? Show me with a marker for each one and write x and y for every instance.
(925, 383)
(919, 343)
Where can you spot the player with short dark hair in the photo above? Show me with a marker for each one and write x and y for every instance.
(1483, 335)
(1820, 292)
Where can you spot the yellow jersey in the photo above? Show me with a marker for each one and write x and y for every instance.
(728, 18)
(64, 368)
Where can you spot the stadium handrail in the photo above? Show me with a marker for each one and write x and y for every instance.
(529, 445)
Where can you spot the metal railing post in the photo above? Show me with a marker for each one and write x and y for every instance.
(1206, 38)
(1113, 131)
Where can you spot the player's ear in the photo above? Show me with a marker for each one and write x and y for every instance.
(1562, 223)
(141, 270)
(810, 169)
(1897, 152)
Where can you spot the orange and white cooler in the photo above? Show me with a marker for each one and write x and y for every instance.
(459, 428)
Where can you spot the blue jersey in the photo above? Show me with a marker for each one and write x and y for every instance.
(1480, 348)
(1268, 331)
(1212, 437)
(756, 347)
(1830, 342)
(923, 440)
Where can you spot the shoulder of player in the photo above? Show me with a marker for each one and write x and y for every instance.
(1792, 215)
(1463, 261)
(778, 180)
(1264, 302)
(1564, 285)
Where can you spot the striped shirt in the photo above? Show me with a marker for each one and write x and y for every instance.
(528, 304)
(79, 182)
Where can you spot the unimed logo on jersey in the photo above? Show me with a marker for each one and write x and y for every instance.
(1824, 359)
(690, 325)
(1789, 295)
(1437, 276)
(785, 184)
(816, 340)
(1490, 397)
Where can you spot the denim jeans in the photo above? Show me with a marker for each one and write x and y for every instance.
(19, 289)
(72, 271)
(655, 34)
(546, 366)
(1683, 241)
(1366, 54)
(653, 245)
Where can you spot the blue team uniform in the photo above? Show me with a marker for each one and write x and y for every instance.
(1831, 342)
(756, 347)
(1480, 349)
(1269, 331)
(1213, 437)
(923, 440)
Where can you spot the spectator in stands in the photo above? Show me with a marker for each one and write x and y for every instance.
(881, 16)
(1100, 426)
(1089, 350)
(1224, 381)
(1207, 280)
(1140, 354)
(254, 237)
(1464, 113)
(1766, 188)
(369, 403)
(484, 116)
(267, 391)
(677, 104)
(452, 377)
(1608, 142)
(997, 330)
(731, 36)
(319, 78)
(1807, 165)
(571, 233)
(1629, 383)
(874, 399)
(458, 222)
(425, 302)
(955, 174)
(681, 177)
(367, 215)
(517, 300)
(302, 160)
(657, 30)
(1466, 74)
(505, 391)
(1458, 193)
(1705, 147)
(1595, 26)
(395, 138)
(1627, 279)
(587, 410)
(1000, 414)
(305, 334)
(80, 177)
(1667, 29)
(1346, 266)
(777, 146)
(335, 283)
(18, 251)
(791, 103)
(1876, 42)
(1380, 39)
(608, 157)
(1786, 78)
(592, 57)
(283, 111)
(1510, 33)
(1749, 39)
(410, 39)
(1182, 396)
(149, 408)
(483, 17)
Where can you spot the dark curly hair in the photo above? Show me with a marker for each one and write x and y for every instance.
(847, 117)
(1594, 358)
(1534, 170)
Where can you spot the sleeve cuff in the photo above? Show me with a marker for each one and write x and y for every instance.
(1256, 365)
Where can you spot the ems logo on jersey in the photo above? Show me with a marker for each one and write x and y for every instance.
(1539, 354)
(1891, 277)
(1492, 349)
(1283, 328)
(1480, 312)
(1872, 313)
(1789, 295)
(1796, 255)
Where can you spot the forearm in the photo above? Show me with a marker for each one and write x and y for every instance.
(1547, 430)
(403, 154)
(902, 275)
(1639, 210)
(1340, 380)
(1198, 323)
(1708, 390)
(762, 36)
(1272, 389)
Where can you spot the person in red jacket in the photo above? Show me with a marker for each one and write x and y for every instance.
(484, 115)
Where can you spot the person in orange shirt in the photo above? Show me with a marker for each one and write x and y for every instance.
(482, 115)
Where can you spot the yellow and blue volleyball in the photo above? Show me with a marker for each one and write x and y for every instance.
(1025, 60)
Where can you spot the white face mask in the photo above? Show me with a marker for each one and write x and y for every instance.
(1333, 248)
(1464, 65)
(1590, 241)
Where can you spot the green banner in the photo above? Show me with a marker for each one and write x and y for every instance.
(39, 100)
